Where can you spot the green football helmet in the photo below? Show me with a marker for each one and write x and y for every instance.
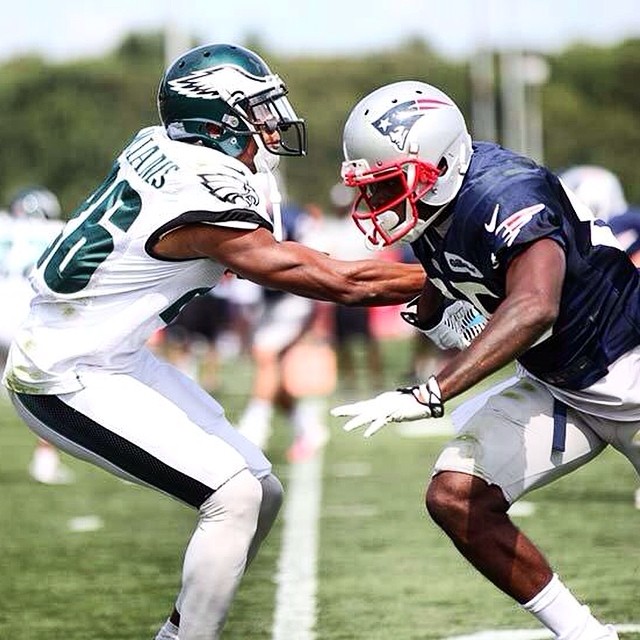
(222, 95)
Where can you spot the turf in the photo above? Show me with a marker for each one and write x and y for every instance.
(385, 571)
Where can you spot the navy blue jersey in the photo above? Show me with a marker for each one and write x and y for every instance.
(507, 202)
(626, 226)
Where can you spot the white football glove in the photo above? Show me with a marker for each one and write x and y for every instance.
(460, 324)
(407, 403)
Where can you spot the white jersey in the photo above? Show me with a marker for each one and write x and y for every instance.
(100, 292)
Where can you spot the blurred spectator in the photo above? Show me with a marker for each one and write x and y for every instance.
(190, 342)
(626, 226)
(245, 301)
(35, 203)
(602, 192)
(352, 326)
(598, 188)
(285, 326)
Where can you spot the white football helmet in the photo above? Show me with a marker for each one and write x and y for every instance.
(598, 188)
(35, 202)
(413, 137)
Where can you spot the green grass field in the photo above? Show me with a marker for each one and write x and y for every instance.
(385, 572)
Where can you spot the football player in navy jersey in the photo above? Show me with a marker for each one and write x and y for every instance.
(498, 233)
(182, 206)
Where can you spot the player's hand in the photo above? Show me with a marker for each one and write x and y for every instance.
(405, 404)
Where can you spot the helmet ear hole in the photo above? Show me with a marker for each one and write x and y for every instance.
(443, 166)
(214, 130)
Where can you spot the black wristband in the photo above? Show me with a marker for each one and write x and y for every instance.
(433, 320)
(428, 394)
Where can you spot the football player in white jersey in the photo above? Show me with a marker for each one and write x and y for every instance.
(180, 207)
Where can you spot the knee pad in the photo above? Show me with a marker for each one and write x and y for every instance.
(239, 499)
(272, 496)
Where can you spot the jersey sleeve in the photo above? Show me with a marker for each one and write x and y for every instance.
(529, 210)
(223, 196)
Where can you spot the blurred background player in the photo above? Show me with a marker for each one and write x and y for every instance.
(352, 330)
(285, 323)
(602, 191)
(33, 221)
(190, 342)
(598, 188)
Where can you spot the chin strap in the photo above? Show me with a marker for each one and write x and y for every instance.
(466, 161)
(266, 163)
(264, 160)
(275, 199)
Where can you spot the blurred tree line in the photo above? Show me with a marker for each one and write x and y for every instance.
(63, 124)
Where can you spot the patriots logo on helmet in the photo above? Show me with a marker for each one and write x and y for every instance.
(397, 121)
(230, 188)
(198, 84)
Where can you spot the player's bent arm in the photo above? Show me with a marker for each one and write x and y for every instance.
(530, 308)
(293, 267)
(429, 303)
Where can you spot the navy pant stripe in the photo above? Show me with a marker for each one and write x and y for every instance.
(115, 449)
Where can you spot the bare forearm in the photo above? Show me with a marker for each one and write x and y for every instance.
(293, 267)
(516, 325)
(429, 304)
(377, 283)
(365, 282)
(530, 308)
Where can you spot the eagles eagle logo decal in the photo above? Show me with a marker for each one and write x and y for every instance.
(230, 188)
(198, 84)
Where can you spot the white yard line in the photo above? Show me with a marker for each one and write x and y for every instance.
(83, 524)
(295, 610)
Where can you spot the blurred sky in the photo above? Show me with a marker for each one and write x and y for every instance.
(65, 29)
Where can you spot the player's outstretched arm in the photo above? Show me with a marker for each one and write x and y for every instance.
(293, 267)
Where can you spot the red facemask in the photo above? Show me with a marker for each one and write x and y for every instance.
(377, 217)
